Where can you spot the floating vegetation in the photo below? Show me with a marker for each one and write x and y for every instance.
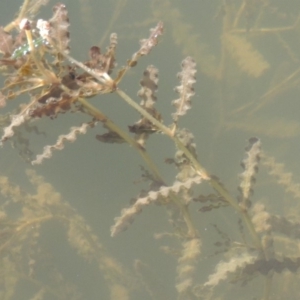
(222, 242)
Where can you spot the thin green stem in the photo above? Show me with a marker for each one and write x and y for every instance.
(166, 131)
(95, 112)
(104, 78)
(200, 170)
(144, 113)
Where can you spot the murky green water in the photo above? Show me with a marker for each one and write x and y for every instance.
(55, 238)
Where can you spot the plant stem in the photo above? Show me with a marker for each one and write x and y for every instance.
(106, 79)
(96, 113)
(200, 170)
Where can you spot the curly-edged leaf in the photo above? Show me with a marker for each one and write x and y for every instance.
(185, 89)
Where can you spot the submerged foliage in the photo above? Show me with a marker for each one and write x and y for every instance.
(250, 263)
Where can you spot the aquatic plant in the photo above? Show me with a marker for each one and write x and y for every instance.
(37, 63)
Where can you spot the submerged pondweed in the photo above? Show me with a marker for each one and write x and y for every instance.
(222, 242)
